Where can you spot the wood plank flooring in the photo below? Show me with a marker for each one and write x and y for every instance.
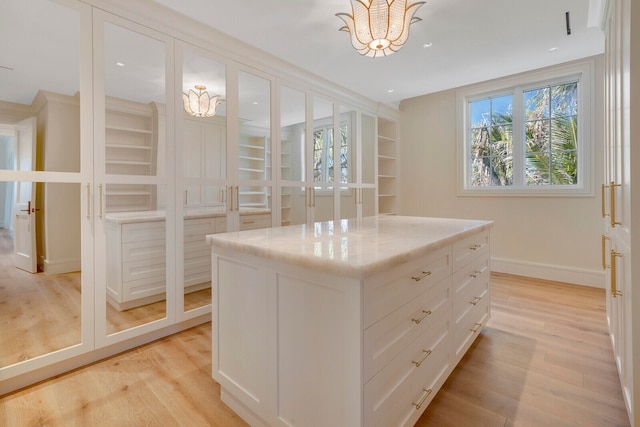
(544, 359)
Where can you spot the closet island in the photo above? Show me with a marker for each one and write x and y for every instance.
(345, 323)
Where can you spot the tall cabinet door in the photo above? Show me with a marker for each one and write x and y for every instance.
(617, 201)
(134, 185)
(201, 172)
(45, 184)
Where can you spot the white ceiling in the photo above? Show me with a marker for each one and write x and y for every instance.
(472, 40)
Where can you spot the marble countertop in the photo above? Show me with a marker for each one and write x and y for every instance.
(350, 247)
(189, 213)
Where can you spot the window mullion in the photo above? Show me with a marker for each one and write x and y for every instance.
(519, 139)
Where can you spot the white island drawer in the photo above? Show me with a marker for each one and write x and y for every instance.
(390, 290)
(470, 248)
(394, 395)
(389, 336)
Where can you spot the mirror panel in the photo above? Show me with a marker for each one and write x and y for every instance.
(254, 152)
(368, 153)
(40, 279)
(292, 156)
(323, 159)
(40, 237)
(204, 170)
(135, 162)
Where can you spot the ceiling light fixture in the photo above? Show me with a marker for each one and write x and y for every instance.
(200, 104)
(379, 27)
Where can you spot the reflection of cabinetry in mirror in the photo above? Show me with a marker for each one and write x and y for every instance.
(387, 166)
(204, 146)
(252, 166)
(131, 148)
(136, 270)
(286, 174)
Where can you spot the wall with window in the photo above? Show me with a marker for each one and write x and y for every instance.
(551, 236)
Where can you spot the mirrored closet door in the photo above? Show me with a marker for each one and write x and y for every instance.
(45, 247)
(133, 190)
(201, 159)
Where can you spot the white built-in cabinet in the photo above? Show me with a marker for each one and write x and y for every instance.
(621, 229)
(134, 153)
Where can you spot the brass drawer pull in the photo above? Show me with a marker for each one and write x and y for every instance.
(425, 354)
(419, 404)
(422, 276)
(614, 275)
(427, 313)
(477, 327)
(475, 247)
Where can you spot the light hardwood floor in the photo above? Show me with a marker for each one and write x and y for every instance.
(544, 359)
(40, 313)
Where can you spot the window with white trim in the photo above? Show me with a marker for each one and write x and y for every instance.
(323, 145)
(527, 137)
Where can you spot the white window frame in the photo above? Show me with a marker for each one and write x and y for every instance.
(516, 85)
(325, 188)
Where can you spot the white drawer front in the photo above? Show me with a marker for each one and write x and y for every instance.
(199, 226)
(149, 251)
(389, 336)
(143, 231)
(469, 284)
(144, 269)
(144, 287)
(469, 326)
(389, 396)
(251, 222)
(470, 248)
(395, 288)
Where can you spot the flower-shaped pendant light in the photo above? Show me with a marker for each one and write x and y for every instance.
(379, 27)
(200, 104)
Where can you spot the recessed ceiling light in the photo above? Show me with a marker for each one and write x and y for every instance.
(427, 44)
(390, 90)
(255, 102)
(119, 64)
(553, 49)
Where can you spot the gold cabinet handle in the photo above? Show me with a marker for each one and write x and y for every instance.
(100, 212)
(426, 313)
(475, 247)
(425, 354)
(604, 251)
(604, 214)
(614, 276)
(427, 392)
(612, 208)
(476, 328)
(88, 201)
(421, 276)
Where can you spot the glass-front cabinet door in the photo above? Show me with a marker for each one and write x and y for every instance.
(133, 195)
(46, 249)
(368, 156)
(201, 168)
(294, 158)
(251, 197)
(323, 154)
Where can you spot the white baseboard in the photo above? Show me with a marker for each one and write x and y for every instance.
(591, 278)
(61, 266)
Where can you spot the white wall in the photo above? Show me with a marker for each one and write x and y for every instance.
(556, 238)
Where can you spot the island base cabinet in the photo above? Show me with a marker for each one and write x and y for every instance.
(303, 336)
(315, 347)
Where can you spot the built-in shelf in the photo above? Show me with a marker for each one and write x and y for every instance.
(130, 149)
(387, 165)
